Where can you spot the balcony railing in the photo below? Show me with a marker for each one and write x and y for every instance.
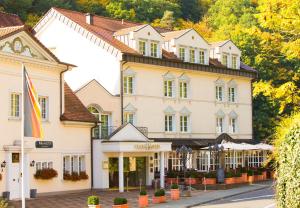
(104, 132)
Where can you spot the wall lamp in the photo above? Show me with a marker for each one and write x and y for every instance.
(3, 164)
(32, 163)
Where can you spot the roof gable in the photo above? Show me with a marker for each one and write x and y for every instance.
(128, 132)
(8, 20)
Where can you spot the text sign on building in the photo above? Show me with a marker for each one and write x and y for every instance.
(147, 146)
(44, 144)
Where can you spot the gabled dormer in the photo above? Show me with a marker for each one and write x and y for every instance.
(227, 53)
(188, 45)
(142, 38)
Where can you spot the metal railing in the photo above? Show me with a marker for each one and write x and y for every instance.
(104, 132)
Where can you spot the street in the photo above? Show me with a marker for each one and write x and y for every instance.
(263, 198)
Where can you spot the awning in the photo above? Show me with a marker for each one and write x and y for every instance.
(243, 146)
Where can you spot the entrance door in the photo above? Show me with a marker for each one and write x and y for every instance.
(15, 179)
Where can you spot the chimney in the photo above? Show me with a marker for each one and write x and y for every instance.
(89, 18)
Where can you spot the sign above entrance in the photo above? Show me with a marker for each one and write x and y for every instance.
(44, 144)
(147, 146)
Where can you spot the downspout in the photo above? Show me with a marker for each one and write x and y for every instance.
(122, 63)
(92, 153)
(61, 89)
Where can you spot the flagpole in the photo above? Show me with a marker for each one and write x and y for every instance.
(22, 141)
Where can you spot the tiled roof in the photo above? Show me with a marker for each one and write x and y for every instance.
(174, 34)
(218, 44)
(74, 109)
(4, 31)
(7, 20)
(129, 29)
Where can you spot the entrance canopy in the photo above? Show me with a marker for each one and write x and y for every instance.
(243, 146)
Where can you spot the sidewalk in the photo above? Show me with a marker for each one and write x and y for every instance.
(208, 196)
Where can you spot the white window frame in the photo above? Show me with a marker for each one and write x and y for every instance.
(219, 124)
(153, 50)
(73, 164)
(225, 61)
(128, 84)
(202, 56)
(183, 90)
(15, 113)
(203, 161)
(182, 123)
(39, 165)
(234, 61)
(232, 94)
(219, 93)
(233, 125)
(129, 117)
(45, 115)
(167, 127)
(192, 57)
(169, 85)
(156, 162)
(175, 160)
(182, 53)
(142, 47)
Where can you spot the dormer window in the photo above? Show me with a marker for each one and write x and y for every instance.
(153, 48)
(182, 53)
(234, 62)
(225, 59)
(201, 56)
(142, 47)
(192, 55)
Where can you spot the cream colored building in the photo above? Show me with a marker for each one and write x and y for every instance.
(66, 122)
(173, 86)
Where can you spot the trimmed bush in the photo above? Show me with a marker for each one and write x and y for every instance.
(229, 174)
(287, 154)
(120, 201)
(250, 172)
(172, 174)
(191, 174)
(143, 192)
(45, 174)
(210, 175)
(160, 192)
(174, 186)
(93, 200)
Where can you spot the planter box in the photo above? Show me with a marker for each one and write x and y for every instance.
(251, 179)
(264, 173)
(258, 177)
(244, 177)
(191, 181)
(94, 206)
(159, 199)
(172, 180)
(209, 181)
(238, 179)
(175, 194)
(120, 206)
(143, 201)
(229, 180)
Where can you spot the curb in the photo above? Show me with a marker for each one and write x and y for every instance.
(225, 197)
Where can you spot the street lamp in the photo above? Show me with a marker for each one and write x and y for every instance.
(217, 155)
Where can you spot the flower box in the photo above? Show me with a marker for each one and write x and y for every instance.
(229, 180)
(159, 199)
(244, 177)
(238, 179)
(120, 206)
(251, 178)
(175, 194)
(190, 181)
(209, 181)
(94, 206)
(264, 173)
(143, 201)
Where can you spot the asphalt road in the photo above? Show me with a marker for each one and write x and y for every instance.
(257, 199)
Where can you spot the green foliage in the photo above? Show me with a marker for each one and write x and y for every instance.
(167, 21)
(174, 186)
(172, 174)
(3, 203)
(143, 192)
(288, 162)
(210, 175)
(160, 192)
(119, 201)
(93, 200)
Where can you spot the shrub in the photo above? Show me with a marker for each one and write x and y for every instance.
(210, 175)
(287, 154)
(191, 174)
(93, 200)
(3, 203)
(237, 174)
(120, 201)
(45, 174)
(229, 174)
(174, 186)
(250, 172)
(160, 192)
(143, 192)
(172, 174)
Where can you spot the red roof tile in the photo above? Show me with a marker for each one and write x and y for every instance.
(74, 109)
(8, 20)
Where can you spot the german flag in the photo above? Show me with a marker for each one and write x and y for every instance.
(32, 110)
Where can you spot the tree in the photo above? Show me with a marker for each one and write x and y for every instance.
(191, 10)
(18, 7)
(92, 6)
(167, 21)
(121, 10)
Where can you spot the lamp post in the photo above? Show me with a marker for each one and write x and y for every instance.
(217, 155)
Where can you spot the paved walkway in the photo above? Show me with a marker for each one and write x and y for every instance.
(78, 200)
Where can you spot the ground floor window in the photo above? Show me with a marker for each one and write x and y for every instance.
(214, 162)
(255, 158)
(229, 159)
(174, 161)
(203, 161)
(74, 163)
(43, 165)
(156, 162)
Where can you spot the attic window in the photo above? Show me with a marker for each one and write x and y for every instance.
(148, 33)
(193, 37)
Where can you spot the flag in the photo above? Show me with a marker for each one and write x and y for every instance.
(32, 110)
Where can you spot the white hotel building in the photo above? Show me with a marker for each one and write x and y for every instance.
(152, 91)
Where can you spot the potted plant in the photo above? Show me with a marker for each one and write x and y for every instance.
(238, 177)
(258, 175)
(191, 178)
(159, 196)
(244, 174)
(250, 174)
(120, 203)
(93, 202)
(175, 193)
(209, 178)
(143, 199)
(172, 177)
(229, 177)
(45, 174)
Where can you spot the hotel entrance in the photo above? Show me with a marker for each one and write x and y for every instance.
(134, 172)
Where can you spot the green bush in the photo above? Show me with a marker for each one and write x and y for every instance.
(210, 175)
(250, 172)
(229, 174)
(287, 154)
(93, 200)
(172, 174)
(237, 174)
(174, 186)
(143, 192)
(192, 174)
(3, 203)
(119, 201)
(160, 192)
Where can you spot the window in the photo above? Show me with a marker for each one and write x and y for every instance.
(201, 57)
(128, 85)
(43, 165)
(183, 89)
(184, 122)
(142, 47)
(169, 123)
(43, 101)
(168, 88)
(182, 54)
(174, 161)
(156, 162)
(231, 94)
(128, 118)
(232, 125)
(256, 158)
(219, 93)
(15, 105)
(73, 163)
(234, 62)
(96, 113)
(105, 128)
(220, 128)
(192, 55)
(203, 161)
(229, 159)
(225, 59)
(153, 49)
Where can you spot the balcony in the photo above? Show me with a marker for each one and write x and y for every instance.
(104, 132)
